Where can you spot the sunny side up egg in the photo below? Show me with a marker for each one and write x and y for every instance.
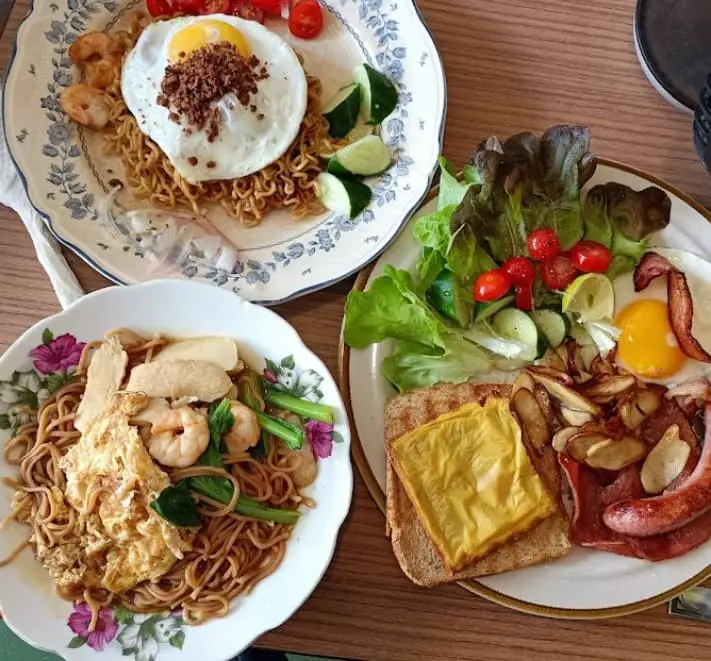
(247, 140)
(647, 346)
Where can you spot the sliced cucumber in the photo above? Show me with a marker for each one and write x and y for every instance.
(360, 130)
(379, 96)
(551, 324)
(367, 156)
(447, 295)
(486, 310)
(345, 196)
(514, 324)
(334, 167)
(342, 110)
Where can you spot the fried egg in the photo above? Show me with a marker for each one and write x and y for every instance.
(647, 346)
(248, 140)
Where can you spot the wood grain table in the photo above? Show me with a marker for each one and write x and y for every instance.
(511, 65)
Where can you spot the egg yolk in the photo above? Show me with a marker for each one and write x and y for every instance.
(202, 33)
(647, 345)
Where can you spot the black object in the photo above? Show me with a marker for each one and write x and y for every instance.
(673, 39)
(702, 125)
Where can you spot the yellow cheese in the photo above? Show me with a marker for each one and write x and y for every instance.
(471, 480)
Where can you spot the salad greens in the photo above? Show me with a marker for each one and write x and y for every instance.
(482, 218)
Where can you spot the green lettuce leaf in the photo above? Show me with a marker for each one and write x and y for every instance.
(451, 191)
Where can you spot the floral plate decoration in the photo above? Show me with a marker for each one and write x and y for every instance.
(66, 172)
(45, 359)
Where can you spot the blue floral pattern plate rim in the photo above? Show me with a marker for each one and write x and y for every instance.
(391, 35)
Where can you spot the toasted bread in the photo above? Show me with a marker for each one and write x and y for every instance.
(413, 548)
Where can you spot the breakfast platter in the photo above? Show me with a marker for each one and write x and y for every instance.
(92, 205)
(594, 577)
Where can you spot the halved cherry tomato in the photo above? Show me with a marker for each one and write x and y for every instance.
(192, 7)
(306, 19)
(246, 10)
(269, 7)
(159, 8)
(558, 272)
(543, 244)
(520, 270)
(590, 256)
(216, 7)
(491, 286)
(524, 297)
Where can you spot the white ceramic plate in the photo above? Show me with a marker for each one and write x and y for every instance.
(66, 173)
(178, 308)
(585, 583)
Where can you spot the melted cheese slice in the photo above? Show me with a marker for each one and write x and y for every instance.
(471, 480)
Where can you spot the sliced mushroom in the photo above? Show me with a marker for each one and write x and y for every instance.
(615, 455)
(575, 418)
(544, 401)
(180, 378)
(532, 418)
(636, 408)
(578, 445)
(601, 365)
(219, 351)
(609, 386)
(556, 375)
(665, 462)
(567, 397)
(523, 380)
(562, 436)
(553, 360)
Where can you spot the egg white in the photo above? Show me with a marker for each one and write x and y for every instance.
(698, 276)
(245, 144)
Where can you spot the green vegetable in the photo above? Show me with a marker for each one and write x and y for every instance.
(486, 310)
(428, 268)
(220, 421)
(250, 390)
(342, 111)
(342, 194)
(451, 190)
(292, 435)
(623, 219)
(378, 93)
(367, 156)
(450, 298)
(312, 410)
(176, 506)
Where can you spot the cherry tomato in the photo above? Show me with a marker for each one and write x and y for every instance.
(246, 10)
(520, 270)
(306, 19)
(524, 297)
(159, 8)
(590, 257)
(192, 7)
(491, 286)
(558, 272)
(216, 7)
(269, 7)
(543, 244)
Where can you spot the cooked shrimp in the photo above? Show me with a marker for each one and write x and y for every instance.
(99, 56)
(86, 105)
(245, 431)
(179, 437)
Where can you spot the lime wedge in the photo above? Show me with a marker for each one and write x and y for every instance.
(591, 297)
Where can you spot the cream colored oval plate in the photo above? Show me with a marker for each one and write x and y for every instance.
(66, 172)
(177, 308)
(586, 584)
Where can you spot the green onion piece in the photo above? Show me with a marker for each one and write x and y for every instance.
(312, 410)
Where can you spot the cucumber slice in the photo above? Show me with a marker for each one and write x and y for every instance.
(447, 295)
(360, 130)
(367, 156)
(514, 324)
(342, 110)
(551, 324)
(345, 196)
(379, 96)
(486, 310)
(334, 167)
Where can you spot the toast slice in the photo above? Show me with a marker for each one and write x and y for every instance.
(417, 556)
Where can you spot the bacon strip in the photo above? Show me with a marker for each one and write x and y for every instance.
(679, 301)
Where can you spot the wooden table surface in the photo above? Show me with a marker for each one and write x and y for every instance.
(511, 65)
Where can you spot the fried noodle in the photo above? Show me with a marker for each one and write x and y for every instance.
(230, 553)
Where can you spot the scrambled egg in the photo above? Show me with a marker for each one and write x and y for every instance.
(471, 481)
(111, 481)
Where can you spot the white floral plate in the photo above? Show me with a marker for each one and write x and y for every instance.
(66, 173)
(585, 584)
(41, 360)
